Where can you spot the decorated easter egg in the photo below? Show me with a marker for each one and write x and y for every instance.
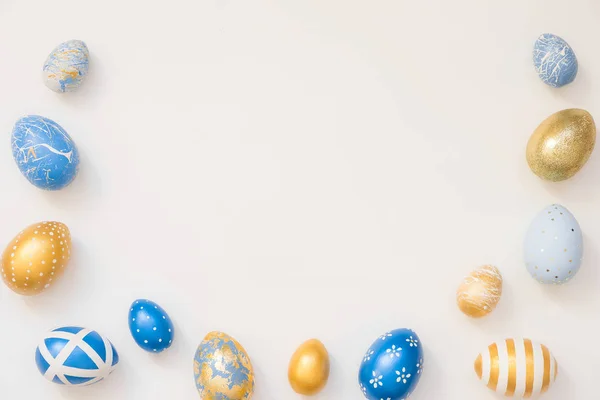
(562, 144)
(75, 356)
(222, 369)
(480, 291)
(44, 152)
(392, 366)
(554, 60)
(67, 66)
(517, 368)
(150, 326)
(36, 257)
(308, 370)
(553, 245)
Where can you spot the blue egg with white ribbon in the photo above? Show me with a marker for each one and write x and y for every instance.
(44, 152)
(392, 366)
(150, 326)
(75, 356)
(554, 60)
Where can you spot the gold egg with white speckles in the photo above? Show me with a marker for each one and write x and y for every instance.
(36, 257)
(562, 144)
(480, 292)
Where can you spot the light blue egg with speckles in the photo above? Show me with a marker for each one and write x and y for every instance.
(553, 246)
(150, 326)
(44, 152)
(554, 60)
(66, 67)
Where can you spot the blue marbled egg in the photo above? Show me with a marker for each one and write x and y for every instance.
(44, 152)
(67, 66)
(554, 60)
(150, 326)
(75, 356)
(392, 366)
(553, 246)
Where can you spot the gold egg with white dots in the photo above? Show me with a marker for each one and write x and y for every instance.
(36, 257)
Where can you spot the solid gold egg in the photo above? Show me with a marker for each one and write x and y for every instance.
(562, 144)
(308, 371)
(36, 257)
(480, 291)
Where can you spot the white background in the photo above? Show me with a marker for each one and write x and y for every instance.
(296, 169)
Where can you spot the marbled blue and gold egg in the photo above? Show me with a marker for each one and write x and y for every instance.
(67, 66)
(392, 366)
(222, 369)
(150, 326)
(44, 152)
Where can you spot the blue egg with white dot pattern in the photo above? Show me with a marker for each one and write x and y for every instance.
(150, 326)
(392, 366)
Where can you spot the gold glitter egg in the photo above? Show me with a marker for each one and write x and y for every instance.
(36, 257)
(480, 291)
(562, 144)
(308, 371)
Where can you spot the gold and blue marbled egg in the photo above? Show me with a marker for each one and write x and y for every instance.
(66, 67)
(222, 369)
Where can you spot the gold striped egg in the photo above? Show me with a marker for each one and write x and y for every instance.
(480, 291)
(517, 368)
(36, 257)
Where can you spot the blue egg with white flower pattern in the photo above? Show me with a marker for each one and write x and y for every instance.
(75, 356)
(150, 326)
(392, 366)
(44, 152)
(554, 60)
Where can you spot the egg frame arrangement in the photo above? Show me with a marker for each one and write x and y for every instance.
(392, 366)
